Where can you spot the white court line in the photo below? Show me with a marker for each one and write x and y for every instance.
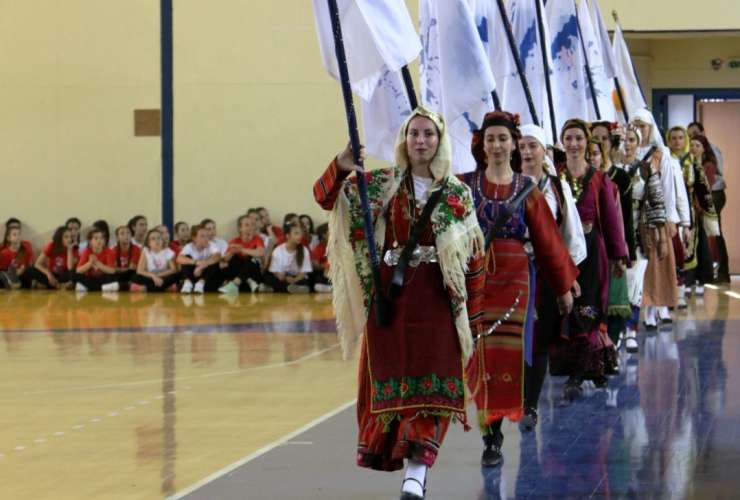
(260, 452)
(733, 295)
(711, 287)
(191, 377)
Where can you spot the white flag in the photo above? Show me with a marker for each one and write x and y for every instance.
(384, 114)
(456, 78)
(377, 36)
(603, 39)
(625, 73)
(603, 84)
(523, 15)
(568, 78)
(493, 37)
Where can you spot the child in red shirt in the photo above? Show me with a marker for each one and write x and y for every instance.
(320, 262)
(97, 267)
(244, 259)
(182, 237)
(16, 258)
(126, 256)
(55, 264)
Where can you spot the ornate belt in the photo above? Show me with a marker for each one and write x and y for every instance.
(419, 255)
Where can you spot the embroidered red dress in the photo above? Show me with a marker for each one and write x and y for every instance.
(496, 372)
(411, 373)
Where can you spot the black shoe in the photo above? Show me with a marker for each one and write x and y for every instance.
(405, 495)
(529, 420)
(601, 382)
(492, 456)
(572, 389)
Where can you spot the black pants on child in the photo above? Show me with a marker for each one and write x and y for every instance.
(95, 283)
(212, 275)
(124, 278)
(167, 282)
(41, 278)
(282, 286)
(244, 268)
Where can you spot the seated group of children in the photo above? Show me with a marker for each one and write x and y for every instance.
(261, 258)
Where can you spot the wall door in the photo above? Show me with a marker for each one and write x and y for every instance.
(722, 124)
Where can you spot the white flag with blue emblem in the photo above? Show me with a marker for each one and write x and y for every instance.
(602, 34)
(377, 36)
(493, 37)
(625, 73)
(456, 77)
(568, 78)
(384, 114)
(603, 84)
(523, 15)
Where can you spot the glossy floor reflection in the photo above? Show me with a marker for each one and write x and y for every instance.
(667, 428)
(128, 397)
(124, 396)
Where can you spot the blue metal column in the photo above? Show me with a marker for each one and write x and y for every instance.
(167, 108)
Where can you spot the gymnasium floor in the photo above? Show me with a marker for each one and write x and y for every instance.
(154, 396)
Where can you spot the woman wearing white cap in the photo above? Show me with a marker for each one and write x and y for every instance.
(676, 203)
(559, 198)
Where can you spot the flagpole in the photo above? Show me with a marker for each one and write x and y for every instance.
(496, 100)
(381, 304)
(618, 88)
(634, 71)
(517, 61)
(588, 66)
(546, 67)
(409, 83)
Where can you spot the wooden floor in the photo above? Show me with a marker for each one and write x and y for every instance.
(141, 397)
(132, 397)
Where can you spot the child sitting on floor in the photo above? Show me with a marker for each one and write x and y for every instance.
(96, 270)
(54, 267)
(199, 262)
(156, 271)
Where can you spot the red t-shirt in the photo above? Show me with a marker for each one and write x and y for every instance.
(318, 254)
(9, 257)
(58, 260)
(106, 256)
(255, 242)
(124, 259)
(175, 247)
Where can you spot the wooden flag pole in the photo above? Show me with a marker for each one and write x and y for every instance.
(409, 83)
(382, 306)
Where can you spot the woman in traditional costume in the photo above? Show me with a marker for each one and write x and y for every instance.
(584, 350)
(518, 223)
(559, 198)
(652, 254)
(677, 213)
(619, 309)
(411, 373)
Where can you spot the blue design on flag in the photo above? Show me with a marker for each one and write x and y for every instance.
(529, 44)
(471, 124)
(565, 38)
(483, 29)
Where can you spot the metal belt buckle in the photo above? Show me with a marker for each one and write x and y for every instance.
(416, 257)
(391, 257)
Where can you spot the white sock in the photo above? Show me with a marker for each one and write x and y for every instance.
(414, 470)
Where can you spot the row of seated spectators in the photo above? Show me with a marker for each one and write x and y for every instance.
(261, 258)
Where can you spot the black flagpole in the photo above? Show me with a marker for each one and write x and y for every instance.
(409, 83)
(588, 66)
(618, 87)
(519, 67)
(546, 68)
(496, 100)
(381, 304)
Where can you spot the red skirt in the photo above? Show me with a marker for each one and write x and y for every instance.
(410, 376)
(496, 371)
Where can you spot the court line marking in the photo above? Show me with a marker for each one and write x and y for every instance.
(262, 451)
(191, 377)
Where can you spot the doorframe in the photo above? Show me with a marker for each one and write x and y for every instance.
(660, 100)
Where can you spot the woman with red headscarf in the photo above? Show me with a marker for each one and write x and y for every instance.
(522, 234)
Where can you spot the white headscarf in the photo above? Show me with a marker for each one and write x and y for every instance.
(538, 133)
(646, 116)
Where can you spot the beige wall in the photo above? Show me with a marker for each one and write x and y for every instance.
(256, 117)
(673, 15)
(71, 74)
